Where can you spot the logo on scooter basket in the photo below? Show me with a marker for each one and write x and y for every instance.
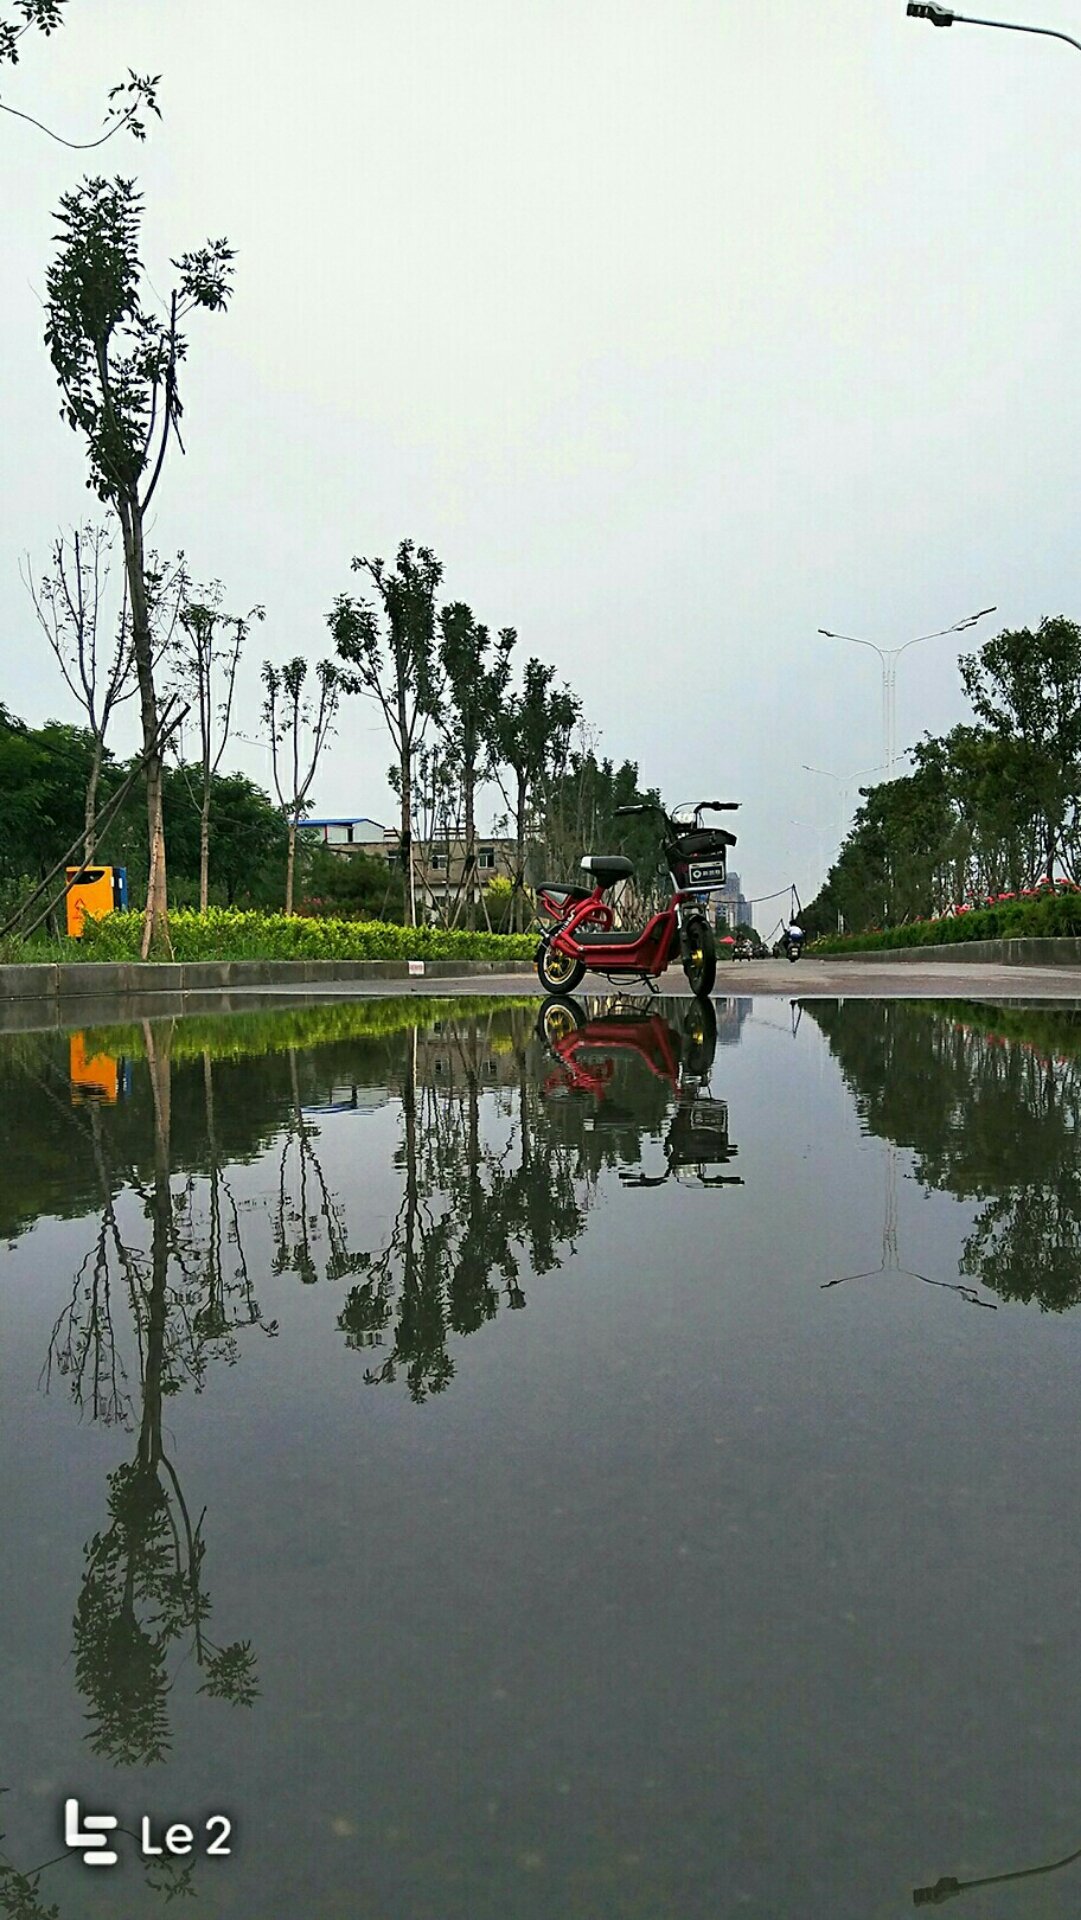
(706, 873)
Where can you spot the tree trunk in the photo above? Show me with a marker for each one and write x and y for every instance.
(519, 857)
(290, 865)
(204, 846)
(156, 918)
(90, 811)
(407, 839)
(470, 851)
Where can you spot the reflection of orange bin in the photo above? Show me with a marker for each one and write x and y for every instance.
(94, 1076)
(96, 891)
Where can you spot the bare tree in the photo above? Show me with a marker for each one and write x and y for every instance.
(297, 728)
(92, 647)
(207, 660)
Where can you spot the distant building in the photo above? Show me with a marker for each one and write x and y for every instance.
(438, 864)
(356, 835)
(440, 870)
(733, 910)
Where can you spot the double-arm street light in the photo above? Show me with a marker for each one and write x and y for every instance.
(945, 17)
(888, 658)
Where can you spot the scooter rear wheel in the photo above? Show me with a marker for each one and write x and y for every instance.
(699, 955)
(556, 972)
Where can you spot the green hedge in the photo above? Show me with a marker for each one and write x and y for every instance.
(1055, 916)
(227, 933)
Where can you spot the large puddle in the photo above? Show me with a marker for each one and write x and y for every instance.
(610, 1470)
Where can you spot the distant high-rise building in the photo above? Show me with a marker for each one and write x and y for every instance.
(732, 908)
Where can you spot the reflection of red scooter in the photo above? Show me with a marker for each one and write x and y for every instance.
(575, 1042)
(698, 1133)
(586, 935)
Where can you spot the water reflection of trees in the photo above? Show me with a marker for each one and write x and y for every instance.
(477, 1204)
(185, 1294)
(989, 1102)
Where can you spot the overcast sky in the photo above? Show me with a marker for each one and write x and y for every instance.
(679, 329)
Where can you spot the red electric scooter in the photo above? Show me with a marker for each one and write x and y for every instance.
(586, 937)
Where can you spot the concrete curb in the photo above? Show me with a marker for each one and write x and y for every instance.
(119, 979)
(1062, 951)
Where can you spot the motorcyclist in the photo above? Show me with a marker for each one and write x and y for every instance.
(792, 936)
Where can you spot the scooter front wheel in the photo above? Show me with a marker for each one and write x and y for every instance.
(557, 972)
(699, 956)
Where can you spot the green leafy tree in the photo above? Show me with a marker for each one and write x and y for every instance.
(1026, 686)
(398, 668)
(581, 815)
(531, 739)
(476, 674)
(118, 365)
(359, 885)
(44, 775)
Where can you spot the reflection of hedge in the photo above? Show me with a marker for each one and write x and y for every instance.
(227, 933)
(1057, 915)
(1052, 1033)
(232, 1036)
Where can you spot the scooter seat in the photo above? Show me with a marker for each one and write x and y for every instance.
(562, 890)
(608, 867)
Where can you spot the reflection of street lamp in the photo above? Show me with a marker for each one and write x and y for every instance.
(948, 1887)
(944, 17)
(888, 657)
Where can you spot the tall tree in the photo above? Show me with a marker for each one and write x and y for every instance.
(400, 673)
(476, 675)
(117, 364)
(93, 646)
(207, 661)
(1026, 686)
(531, 737)
(297, 728)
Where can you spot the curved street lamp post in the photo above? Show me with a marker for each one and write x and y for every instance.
(888, 658)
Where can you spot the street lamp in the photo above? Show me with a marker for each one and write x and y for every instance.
(945, 17)
(888, 658)
(823, 836)
(844, 788)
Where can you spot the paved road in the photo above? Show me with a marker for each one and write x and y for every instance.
(806, 979)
